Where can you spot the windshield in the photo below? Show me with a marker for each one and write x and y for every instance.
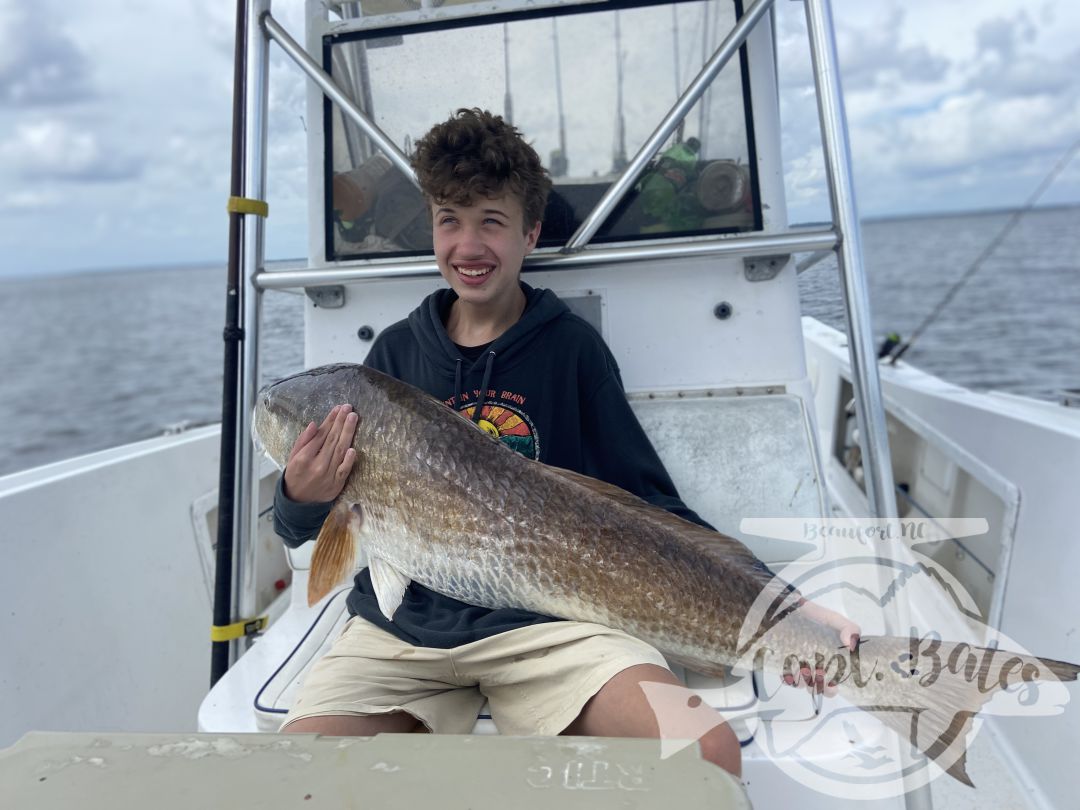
(586, 89)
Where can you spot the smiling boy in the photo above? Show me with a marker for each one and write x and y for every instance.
(517, 362)
(480, 248)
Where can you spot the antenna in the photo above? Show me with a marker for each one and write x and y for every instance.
(559, 161)
(508, 102)
(618, 161)
(678, 87)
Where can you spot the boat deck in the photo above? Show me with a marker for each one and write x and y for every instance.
(180, 771)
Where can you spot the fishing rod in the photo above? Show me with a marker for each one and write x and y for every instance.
(232, 336)
(898, 348)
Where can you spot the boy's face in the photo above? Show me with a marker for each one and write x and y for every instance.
(480, 248)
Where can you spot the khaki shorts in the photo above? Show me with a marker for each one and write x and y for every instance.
(536, 679)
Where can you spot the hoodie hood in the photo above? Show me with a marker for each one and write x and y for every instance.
(426, 324)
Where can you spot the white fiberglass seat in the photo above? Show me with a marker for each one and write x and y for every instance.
(276, 696)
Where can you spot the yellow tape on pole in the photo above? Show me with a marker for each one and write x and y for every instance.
(248, 627)
(243, 205)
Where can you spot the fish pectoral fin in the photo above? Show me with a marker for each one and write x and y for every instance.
(335, 551)
(389, 584)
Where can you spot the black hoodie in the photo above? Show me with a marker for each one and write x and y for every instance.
(553, 394)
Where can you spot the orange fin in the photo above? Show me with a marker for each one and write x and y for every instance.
(335, 551)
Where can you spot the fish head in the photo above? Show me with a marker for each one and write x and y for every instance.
(284, 408)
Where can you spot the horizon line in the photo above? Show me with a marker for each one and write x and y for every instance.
(202, 264)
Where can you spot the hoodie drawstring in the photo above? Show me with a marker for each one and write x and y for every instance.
(483, 386)
(457, 384)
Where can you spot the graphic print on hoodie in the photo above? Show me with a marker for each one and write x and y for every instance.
(512, 428)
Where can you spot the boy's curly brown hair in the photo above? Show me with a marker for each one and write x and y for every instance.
(476, 154)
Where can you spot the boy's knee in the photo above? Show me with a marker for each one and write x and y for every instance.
(721, 747)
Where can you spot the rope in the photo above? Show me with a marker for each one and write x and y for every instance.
(899, 351)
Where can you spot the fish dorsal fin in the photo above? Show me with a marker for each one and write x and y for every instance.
(719, 546)
(389, 584)
(335, 551)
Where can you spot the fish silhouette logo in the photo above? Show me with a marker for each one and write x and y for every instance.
(684, 717)
(842, 745)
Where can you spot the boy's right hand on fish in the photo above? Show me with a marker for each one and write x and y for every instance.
(322, 458)
(849, 633)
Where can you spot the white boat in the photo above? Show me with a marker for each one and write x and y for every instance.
(683, 259)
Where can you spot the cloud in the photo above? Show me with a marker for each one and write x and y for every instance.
(39, 64)
(1001, 36)
(874, 54)
(932, 123)
(804, 177)
(871, 55)
(218, 25)
(1009, 61)
(51, 149)
(28, 201)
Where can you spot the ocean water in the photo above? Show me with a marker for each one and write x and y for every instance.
(1014, 326)
(93, 360)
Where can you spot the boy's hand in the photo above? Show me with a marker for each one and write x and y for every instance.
(322, 458)
(845, 627)
(849, 636)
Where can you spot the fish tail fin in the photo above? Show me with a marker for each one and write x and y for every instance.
(1062, 670)
(335, 552)
(942, 686)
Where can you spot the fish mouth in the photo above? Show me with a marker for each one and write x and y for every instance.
(256, 441)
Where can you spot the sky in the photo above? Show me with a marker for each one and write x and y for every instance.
(115, 121)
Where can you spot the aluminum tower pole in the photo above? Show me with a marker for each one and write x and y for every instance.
(330, 88)
(870, 408)
(251, 263)
(869, 404)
